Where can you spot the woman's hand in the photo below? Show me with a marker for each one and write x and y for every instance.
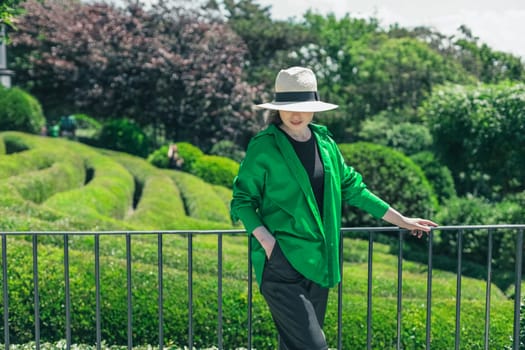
(265, 238)
(415, 225)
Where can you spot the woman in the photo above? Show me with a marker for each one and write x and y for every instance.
(288, 194)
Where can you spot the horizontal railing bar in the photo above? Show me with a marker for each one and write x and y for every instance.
(240, 231)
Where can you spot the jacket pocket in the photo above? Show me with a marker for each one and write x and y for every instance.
(278, 269)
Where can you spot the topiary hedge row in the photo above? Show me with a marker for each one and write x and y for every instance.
(20, 111)
(163, 202)
(216, 170)
(37, 186)
(202, 202)
(393, 177)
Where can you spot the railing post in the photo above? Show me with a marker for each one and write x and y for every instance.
(458, 289)
(399, 288)
(488, 290)
(340, 296)
(161, 291)
(369, 292)
(36, 292)
(517, 288)
(190, 291)
(97, 293)
(250, 292)
(429, 290)
(5, 290)
(219, 291)
(67, 292)
(130, 297)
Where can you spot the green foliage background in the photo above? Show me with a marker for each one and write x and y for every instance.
(56, 184)
(451, 103)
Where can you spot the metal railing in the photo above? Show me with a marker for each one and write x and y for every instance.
(370, 231)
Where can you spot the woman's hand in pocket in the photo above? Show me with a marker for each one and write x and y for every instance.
(265, 238)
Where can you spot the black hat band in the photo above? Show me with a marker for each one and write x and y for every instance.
(296, 96)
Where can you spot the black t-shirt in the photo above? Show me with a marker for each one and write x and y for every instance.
(308, 153)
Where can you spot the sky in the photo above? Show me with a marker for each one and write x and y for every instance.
(498, 23)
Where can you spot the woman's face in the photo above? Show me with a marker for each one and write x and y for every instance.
(296, 121)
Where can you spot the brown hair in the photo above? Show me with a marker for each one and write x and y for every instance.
(275, 118)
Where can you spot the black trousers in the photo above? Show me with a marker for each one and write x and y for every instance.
(297, 305)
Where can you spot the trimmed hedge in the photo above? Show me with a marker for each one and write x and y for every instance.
(20, 111)
(163, 198)
(124, 135)
(393, 177)
(37, 186)
(216, 170)
(109, 194)
(201, 200)
(189, 153)
(438, 175)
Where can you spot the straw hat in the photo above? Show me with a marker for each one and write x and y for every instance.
(296, 91)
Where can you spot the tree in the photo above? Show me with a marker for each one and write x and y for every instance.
(478, 134)
(486, 64)
(8, 10)
(268, 41)
(166, 68)
(372, 72)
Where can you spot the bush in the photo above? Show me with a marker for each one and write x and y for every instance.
(408, 138)
(37, 186)
(393, 177)
(20, 111)
(438, 175)
(478, 135)
(124, 135)
(478, 211)
(189, 153)
(159, 157)
(201, 201)
(228, 149)
(87, 128)
(216, 170)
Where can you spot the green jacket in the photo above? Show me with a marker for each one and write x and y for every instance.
(272, 189)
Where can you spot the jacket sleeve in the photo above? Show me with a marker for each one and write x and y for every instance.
(355, 192)
(247, 191)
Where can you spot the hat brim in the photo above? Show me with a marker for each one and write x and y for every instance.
(306, 106)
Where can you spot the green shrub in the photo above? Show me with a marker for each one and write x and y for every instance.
(216, 170)
(190, 154)
(478, 211)
(124, 135)
(393, 177)
(201, 201)
(405, 137)
(39, 185)
(159, 157)
(87, 128)
(438, 175)
(161, 201)
(478, 135)
(20, 111)
(36, 156)
(228, 149)
(109, 193)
